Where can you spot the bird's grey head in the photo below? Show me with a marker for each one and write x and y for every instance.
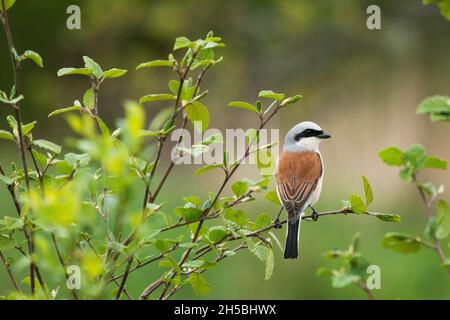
(305, 136)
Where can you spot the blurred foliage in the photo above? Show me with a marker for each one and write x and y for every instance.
(321, 47)
(413, 162)
(353, 271)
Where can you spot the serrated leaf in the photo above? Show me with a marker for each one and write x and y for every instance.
(26, 128)
(243, 105)
(6, 243)
(217, 233)
(157, 97)
(291, 100)
(93, 66)
(342, 280)
(34, 56)
(41, 143)
(269, 94)
(438, 106)
(6, 135)
(400, 242)
(442, 219)
(435, 163)
(74, 71)
(272, 196)
(239, 188)
(368, 193)
(182, 42)
(388, 217)
(7, 180)
(89, 99)
(198, 114)
(357, 204)
(392, 156)
(64, 110)
(155, 63)
(114, 73)
(263, 220)
(199, 284)
(207, 168)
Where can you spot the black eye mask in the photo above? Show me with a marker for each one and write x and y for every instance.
(308, 133)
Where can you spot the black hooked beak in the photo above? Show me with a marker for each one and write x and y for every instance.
(324, 135)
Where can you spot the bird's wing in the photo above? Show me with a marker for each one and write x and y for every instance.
(298, 174)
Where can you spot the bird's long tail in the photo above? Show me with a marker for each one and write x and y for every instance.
(292, 236)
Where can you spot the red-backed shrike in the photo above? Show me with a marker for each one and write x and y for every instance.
(299, 177)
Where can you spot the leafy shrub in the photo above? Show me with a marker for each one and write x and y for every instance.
(99, 208)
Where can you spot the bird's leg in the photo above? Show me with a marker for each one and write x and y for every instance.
(277, 222)
(314, 215)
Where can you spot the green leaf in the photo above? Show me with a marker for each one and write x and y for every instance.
(174, 86)
(7, 180)
(265, 254)
(342, 280)
(189, 214)
(198, 114)
(155, 63)
(26, 128)
(442, 219)
(64, 110)
(157, 97)
(406, 174)
(446, 264)
(324, 272)
(401, 242)
(8, 4)
(114, 73)
(367, 191)
(271, 95)
(416, 155)
(93, 66)
(217, 233)
(199, 284)
(435, 163)
(195, 150)
(34, 56)
(236, 216)
(430, 229)
(272, 196)
(89, 99)
(392, 156)
(291, 100)
(239, 188)
(41, 143)
(6, 135)
(6, 243)
(243, 105)
(11, 223)
(73, 71)
(182, 42)
(357, 204)
(388, 217)
(263, 220)
(207, 168)
(438, 106)
(270, 264)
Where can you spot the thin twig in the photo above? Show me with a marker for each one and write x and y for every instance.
(63, 264)
(10, 274)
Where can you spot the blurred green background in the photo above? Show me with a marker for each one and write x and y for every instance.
(361, 85)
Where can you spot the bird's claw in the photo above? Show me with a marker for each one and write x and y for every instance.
(315, 216)
(278, 224)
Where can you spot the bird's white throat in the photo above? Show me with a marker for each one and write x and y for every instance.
(308, 144)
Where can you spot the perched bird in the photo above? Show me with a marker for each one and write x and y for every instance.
(299, 177)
